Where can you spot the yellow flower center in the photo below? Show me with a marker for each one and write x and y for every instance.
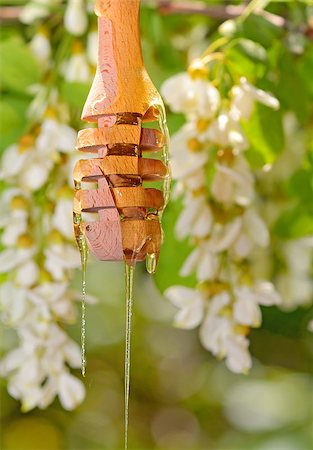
(77, 47)
(19, 202)
(212, 288)
(197, 70)
(202, 125)
(43, 30)
(227, 312)
(26, 142)
(50, 113)
(55, 237)
(64, 192)
(44, 276)
(24, 241)
(226, 155)
(200, 191)
(194, 145)
(242, 330)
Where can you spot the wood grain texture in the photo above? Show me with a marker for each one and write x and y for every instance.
(121, 83)
(94, 139)
(141, 237)
(93, 169)
(104, 238)
(110, 239)
(94, 199)
(91, 139)
(122, 96)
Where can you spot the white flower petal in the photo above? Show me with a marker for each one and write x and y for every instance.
(35, 174)
(192, 97)
(238, 358)
(203, 222)
(243, 246)
(77, 68)
(14, 229)
(72, 354)
(207, 266)
(266, 294)
(34, 10)
(92, 47)
(12, 361)
(256, 228)
(67, 139)
(246, 309)
(71, 391)
(49, 391)
(40, 47)
(222, 187)
(190, 316)
(224, 236)
(184, 224)
(213, 333)
(75, 17)
(181, 296)
(11, 258)
(12, 162)
(27, 274)
(63, 218)
(31, 398)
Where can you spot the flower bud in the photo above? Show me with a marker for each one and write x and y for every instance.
(75, 18)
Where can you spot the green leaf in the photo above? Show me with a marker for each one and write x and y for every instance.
(260, 30)
(301, 185)
(75, 94)
(295, 222)
(264, 131)
(240, 63)
(173, 253)
(12, 123)
(305, 69)
(292, 89)
(19, 69)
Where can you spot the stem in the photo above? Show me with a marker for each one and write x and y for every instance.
(216, 11)
(10, 12)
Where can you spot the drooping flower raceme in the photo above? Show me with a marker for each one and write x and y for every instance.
(36, 262)
(38, 252)
(220, 214)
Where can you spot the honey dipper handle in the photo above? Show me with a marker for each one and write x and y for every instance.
(121, 83)
(124, 15)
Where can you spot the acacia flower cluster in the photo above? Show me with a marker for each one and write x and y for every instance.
(36, 263)
(38, 250)
(220, 213)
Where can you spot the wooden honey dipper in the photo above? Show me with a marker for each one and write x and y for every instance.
(121, 99)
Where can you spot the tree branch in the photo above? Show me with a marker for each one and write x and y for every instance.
(10, 12)
(215, 11)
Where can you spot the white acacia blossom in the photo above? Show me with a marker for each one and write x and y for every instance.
(36, 232)
(77, 69)
(37, 9)
(40, 46)
(75, 17)
(224, 318)
(191, 95)
(295, 282)
(220, 215)
(37, 260)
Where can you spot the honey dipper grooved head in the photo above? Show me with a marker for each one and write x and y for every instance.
(112, 185)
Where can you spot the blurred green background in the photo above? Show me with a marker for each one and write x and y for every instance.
(181, 397)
